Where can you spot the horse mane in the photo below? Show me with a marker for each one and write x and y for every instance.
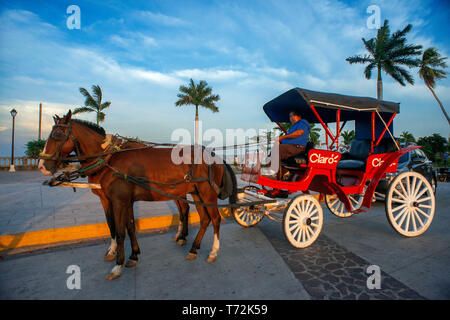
(90, 125)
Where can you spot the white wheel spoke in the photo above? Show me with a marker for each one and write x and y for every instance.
(293, 227)
(407, 220)
(424, 199)
(421, 193)
(300, 236)
(418, 218)
(403, 187)
(401, 214)
(417, 189)
(413, 218)
(425, 206)
(408, 186)
(313, 213)
(399, 207)
(399, 194)
(398, 200)
(426, 215)
(413, 185)
(307, 208)
(404, 216)
(296, 232)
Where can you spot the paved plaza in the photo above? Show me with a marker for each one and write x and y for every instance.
(254, 263)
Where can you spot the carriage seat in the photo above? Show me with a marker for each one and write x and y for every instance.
(298, 159)
(356, 158)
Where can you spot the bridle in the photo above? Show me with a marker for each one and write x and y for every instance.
(58, 135)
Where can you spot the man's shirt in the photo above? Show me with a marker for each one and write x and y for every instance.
(303, 139)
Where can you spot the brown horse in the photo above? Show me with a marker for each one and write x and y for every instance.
(117, 195)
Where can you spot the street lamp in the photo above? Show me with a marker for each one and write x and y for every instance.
(11, 166)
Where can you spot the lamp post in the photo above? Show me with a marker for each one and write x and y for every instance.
(11, 166)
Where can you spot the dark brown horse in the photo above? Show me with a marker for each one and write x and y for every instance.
(117, 195)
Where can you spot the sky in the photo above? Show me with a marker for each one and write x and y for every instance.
(249, 52)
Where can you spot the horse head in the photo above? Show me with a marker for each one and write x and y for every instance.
(59, 145)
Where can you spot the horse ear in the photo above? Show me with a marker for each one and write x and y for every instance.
(56, 118)
(69, 115)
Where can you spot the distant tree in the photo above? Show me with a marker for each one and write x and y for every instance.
(93, 103)
(348, 136)
(407, 136)
(431, 70)
(314, 134)
(389, 53)
(433, 145)
(197, 95)
(34, 147)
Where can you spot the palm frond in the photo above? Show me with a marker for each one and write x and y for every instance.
(83, 110)
(97, 94)
(105, 105)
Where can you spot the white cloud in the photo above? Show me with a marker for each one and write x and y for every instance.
(160, 18)
(206, 74)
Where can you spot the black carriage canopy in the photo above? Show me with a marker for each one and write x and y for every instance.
(326, 104)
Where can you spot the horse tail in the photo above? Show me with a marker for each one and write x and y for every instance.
(228, 187)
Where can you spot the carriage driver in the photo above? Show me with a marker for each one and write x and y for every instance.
(291, 144)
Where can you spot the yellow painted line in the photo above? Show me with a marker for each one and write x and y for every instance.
(87, 231)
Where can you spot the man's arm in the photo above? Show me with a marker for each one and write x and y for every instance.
(293, 135)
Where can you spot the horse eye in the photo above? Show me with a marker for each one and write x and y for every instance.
(58, 135)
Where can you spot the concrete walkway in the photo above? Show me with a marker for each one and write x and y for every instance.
(248, 267)
(254, 263)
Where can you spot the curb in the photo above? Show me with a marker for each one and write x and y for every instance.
(90, 231)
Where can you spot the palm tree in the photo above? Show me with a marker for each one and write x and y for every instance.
(388, 53)
(430, 72)
(407, 136)
(348, 136)
(93, 103)
(197, 95)
(314, 134)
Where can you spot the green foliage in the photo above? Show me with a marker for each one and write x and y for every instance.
(34, 147)
(93, 103)
(348, 136)
(407, 136)
(197, 95)
(389, 53)
(433, 146)
(431, 67)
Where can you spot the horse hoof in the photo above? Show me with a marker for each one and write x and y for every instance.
(112, 276)
(191, 256)
(110, 257)
(211, 259)
(181, 242)
(131, 263)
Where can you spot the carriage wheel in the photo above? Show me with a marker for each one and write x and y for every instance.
(248, 216)
(337, 207)
(410, 204)
(302, 221)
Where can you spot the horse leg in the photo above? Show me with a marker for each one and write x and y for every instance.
(183, 209)
(120, 212)
(131, 228)
(110, 254)
(204, 222)
(215, 217)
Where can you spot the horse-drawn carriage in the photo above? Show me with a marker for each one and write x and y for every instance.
(347, 181)
(121, 171)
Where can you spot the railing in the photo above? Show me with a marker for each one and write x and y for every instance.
(24, 163)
